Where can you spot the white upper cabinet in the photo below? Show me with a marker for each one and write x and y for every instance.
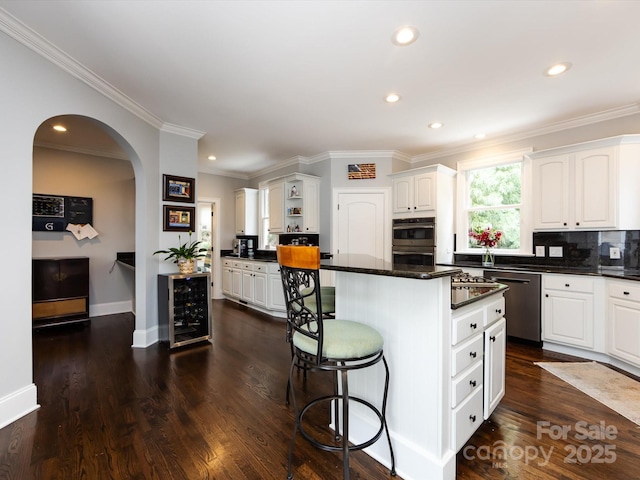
(276, 207)
(422, 191)
(414, 193)
(294, 204)
(246, 211)
(588, 186)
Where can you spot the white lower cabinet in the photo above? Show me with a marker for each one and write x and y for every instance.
(255, 283)
(568, 310)
(478, 337)
(624, 321)
(495, 349)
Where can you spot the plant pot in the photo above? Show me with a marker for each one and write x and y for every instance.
(186, 266)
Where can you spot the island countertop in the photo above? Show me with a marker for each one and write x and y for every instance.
(358, 263)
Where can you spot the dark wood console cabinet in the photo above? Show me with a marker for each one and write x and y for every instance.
(60, 291)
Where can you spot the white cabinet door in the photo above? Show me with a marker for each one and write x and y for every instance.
(495, 348)
(247, 285)
(424, 192)
(311, 210)
(403, 195)
(595, 189)
(227, 280)
(240, 208)
(568, 318)
(276, 208)
(624, 330)
(260, 289)
(275, 293)
(551, 193)
(236, 283)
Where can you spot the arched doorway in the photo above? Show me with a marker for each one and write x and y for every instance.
(87, 159)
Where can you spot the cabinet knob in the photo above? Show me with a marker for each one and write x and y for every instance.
(625, 293)
(577, 223)
(472, 354)
(472, 418)
(567, 285)
(565, 224)
(498, 310)
(473, 325)
(492, 338)
(472, 383)
(546, 295)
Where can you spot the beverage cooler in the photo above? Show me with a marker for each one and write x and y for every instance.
(184, 308)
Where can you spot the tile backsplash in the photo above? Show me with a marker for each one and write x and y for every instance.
(579, 249)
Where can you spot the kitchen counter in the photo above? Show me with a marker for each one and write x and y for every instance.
(357, 263)
(413, 311)
(631, 274)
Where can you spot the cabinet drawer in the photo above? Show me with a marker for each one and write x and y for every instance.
(227, 263)
(625, 291)
(466, 383)
(273, 267)
(247, 266)
(260, 267)
(236, 264)
(466, 354)
(495, 311)
(466, 325)
(574, 283)
(467, 417)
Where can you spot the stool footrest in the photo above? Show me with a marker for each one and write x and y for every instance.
(336, 448)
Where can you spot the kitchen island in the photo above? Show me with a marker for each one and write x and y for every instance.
(433, 357)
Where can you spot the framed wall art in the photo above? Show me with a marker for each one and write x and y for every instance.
(178, 189)
(359, 171)
(179, 219)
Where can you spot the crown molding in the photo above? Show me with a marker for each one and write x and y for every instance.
(37, 43)
(183, 131)
(582, 121)
(83, 151)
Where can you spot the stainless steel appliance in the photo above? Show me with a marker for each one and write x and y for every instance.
(522, 303)
(414, 241)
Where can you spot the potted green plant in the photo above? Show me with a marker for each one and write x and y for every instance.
(185, 255)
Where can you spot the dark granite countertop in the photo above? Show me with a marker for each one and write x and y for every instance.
(464, 295)
(622, 274)
(126, 258)
(356, 263)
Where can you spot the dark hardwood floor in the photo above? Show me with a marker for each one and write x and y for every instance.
(216, 411)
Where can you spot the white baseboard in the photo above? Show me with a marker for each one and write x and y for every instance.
(146, 338)
(18, 404)
(97, 310)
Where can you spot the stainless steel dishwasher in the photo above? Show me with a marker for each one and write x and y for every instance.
(522, 303)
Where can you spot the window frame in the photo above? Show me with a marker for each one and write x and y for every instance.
(462, 201)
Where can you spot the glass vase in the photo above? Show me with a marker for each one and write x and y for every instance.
(487, 258)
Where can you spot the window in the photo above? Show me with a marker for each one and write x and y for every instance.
(492, 193)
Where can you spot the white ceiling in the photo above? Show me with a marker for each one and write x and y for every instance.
(266, 81)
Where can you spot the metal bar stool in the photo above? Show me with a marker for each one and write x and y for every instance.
(337, 345)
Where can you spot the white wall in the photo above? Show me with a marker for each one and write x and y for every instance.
(110, 183)
(34, 90)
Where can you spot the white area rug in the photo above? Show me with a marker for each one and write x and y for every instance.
(605, 385)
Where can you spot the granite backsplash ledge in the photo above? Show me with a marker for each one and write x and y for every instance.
(576, 249)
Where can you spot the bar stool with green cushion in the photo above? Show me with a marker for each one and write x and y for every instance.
(337, 345)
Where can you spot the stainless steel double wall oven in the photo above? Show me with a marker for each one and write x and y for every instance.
(414, 241)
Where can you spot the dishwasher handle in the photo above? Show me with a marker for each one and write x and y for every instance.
(510, 280)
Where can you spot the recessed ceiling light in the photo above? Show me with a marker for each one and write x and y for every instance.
(59, 128)
(405, 36)
(211, 157)
(392, 98)
(435, 125)
(479, 136)
(557, 69)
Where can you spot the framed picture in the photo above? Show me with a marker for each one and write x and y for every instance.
(359, 171)
(178, 189)
(179, 219)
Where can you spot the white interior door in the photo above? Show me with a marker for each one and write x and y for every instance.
(361, 223)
